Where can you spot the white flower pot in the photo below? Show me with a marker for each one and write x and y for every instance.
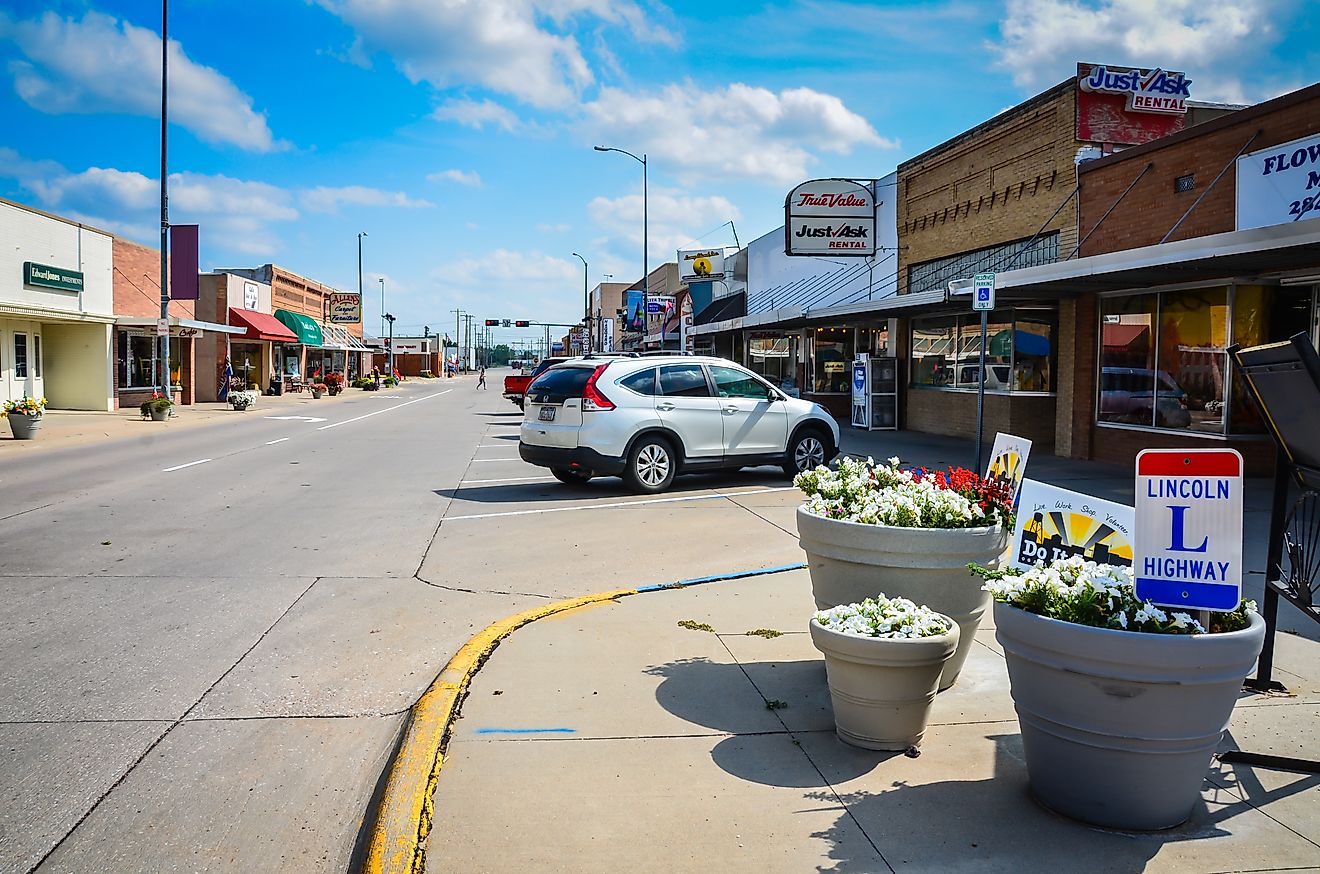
(1119, 727)
(849, 561)
(25, 427)
(882, 688)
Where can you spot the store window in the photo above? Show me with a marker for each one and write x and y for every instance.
(1265, 314)
(1127, 360)
(775, 357)
(1019, 355)
(137, 361)
(36, 355)
(20, 356)
(831, 359)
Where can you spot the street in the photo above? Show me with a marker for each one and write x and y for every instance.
(212, 637)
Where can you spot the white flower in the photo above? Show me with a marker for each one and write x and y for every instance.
(884, 618)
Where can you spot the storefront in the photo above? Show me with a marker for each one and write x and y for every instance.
(138, 351)
(291, 359)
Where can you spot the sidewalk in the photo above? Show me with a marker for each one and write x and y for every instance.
(612, 739)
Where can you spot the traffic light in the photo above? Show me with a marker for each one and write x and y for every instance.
(492, 323)
(522, 323)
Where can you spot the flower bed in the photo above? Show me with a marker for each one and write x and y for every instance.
(871, 494)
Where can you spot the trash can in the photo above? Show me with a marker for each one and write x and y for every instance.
(277, 387)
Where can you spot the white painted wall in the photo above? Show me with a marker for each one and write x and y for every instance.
(32, 236)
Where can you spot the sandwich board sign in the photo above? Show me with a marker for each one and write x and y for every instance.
(1188, 543)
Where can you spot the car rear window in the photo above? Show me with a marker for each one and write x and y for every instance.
(642, 382)
(558, 383)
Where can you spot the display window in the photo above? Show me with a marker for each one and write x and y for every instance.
(831, 356)
(1019, 353)
(137, 361)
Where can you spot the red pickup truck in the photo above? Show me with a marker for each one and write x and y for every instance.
(515, 384)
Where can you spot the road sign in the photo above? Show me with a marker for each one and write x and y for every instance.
(162, 327)
(1188, 539)
(505, 323)
(983, 292)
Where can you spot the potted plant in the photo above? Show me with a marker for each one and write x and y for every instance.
(318, 389)
(156, 408)
(24, 416)
(389, 382)
(869, 528)
(1121, 703)
(334, 382)
(883, 658)
(241, 400)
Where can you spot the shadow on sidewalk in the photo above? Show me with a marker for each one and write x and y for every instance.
(611, 487)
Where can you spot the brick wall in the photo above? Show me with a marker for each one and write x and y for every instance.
(998, 182)
(953, 413)
(1153, 207)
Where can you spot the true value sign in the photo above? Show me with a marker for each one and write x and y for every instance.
(1187, 549)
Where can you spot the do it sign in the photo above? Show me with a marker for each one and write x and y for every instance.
(1188, 540)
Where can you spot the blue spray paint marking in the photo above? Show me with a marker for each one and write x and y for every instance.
(718, 578)
(525, 731)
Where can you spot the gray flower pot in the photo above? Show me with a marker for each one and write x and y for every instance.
(1119, 727)
(25, 427)
(159, 415)
(882, 689)
(849, 561)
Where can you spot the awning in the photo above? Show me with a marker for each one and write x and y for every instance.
(260, 326)
(337, 337)
(308, 331)
(178, 325)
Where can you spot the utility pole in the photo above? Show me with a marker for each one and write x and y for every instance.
(458, 335)
(164, 196)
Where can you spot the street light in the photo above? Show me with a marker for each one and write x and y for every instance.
(381, 280)
(360, 236)
(646, 241)
(586, 302)
(389, 318)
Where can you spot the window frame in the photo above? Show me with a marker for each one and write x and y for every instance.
(24, 362)
(1009, 315)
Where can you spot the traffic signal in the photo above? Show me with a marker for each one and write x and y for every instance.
(522, 323)
(492, 323)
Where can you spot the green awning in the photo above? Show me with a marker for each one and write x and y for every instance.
(308, 331)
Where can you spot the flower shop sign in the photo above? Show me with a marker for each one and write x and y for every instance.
(1054, 524)
(1189, 528)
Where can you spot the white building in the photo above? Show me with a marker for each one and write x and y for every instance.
(56, 310)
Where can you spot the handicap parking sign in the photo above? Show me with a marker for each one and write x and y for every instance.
(984, 297)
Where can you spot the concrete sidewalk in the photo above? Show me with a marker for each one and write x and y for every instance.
(613, 738)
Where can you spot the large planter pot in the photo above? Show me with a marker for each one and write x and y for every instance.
(882, 689)
(316, 395)
(25, 427)
(1119, 727)
(849, 561)
(158, 414)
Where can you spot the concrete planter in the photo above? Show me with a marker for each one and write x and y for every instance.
(1119, 727)
(159, 414)
(882, 689)
(316, 395)
(25, 427)
(849, 561)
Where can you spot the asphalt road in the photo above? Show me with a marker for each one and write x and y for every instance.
(210, 639)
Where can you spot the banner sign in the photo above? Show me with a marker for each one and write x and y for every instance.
(660, 303)
(634, 320)
(1008, 461)
(345, 307)
(1279, 185)
(1054, 523)
(700, 265)
(183, 262)
(830, 217)
(1189, 528)
(1128, 106)
(46, 276)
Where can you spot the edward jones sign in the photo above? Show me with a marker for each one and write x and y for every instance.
(830, 217)
(1279, 185)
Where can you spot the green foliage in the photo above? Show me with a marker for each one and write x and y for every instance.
(692, 625)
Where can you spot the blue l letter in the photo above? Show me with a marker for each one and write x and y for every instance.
(1178, 545)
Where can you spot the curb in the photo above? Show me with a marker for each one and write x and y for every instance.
(404, 814)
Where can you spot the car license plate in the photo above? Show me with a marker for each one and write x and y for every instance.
(547, 414)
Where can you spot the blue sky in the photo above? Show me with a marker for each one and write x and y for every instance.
(458, 133)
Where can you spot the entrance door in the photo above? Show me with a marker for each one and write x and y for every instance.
(25, 365)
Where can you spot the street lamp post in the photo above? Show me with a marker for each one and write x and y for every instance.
(389, 318)
(381, 280)
(360, 236)
(586, 302)
(646, 243)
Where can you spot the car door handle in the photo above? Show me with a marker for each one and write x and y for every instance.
(665, 407)
(729, 411)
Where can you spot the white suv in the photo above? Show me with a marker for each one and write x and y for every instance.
(647, 419)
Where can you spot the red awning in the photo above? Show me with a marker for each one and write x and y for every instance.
(260, 326)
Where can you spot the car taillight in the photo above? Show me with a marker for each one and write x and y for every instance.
(592, 400)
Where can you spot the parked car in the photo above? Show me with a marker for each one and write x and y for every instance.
(650, 419)
(1140, 396)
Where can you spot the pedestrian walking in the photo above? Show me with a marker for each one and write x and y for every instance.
(481, 378)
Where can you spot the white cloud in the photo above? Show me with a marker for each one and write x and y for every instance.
(474, 114)
(1213, 41)
(674, 220)
(506, 283)
(470, 178)
(326, 199)
(739, 130)
(100, 64)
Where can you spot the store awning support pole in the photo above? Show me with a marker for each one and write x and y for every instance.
(1112, 206)
(1211, 186)
(980, 396)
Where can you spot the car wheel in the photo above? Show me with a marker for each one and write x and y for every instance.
(571, 477)
(807, 452)
(651, 466)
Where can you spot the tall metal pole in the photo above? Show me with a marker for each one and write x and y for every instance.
(980, 396)
(586, 303)
(360, 236)
(164, 194)
(646, 252)
(382, 305)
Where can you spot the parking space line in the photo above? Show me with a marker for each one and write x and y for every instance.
(273, 442)
(182, 466)
(613, 505)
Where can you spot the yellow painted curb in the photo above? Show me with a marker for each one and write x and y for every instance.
(403, 817)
